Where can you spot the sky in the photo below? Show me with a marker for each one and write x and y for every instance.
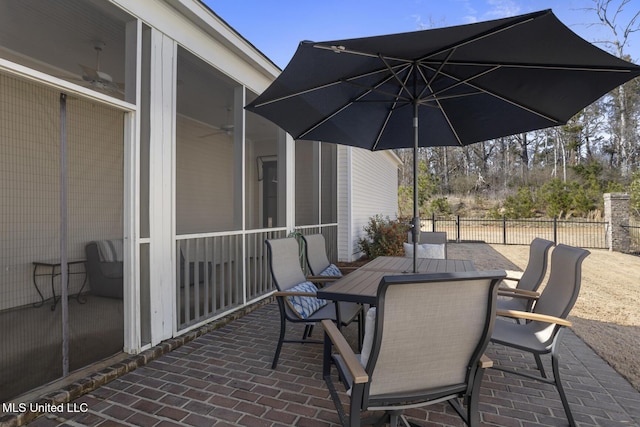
(275, 27)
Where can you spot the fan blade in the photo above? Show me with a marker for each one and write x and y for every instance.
(89, 73)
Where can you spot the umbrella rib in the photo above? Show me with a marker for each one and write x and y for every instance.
(532, 66)
(459, 81)
(437, 72)
(403, 84)
(342, 49)
(500, 97)
(332, 115)
(446, 117)
(372, 89)
(389, 113)
(323, 86)
(443, 112)
(292, 95)
(483, 35)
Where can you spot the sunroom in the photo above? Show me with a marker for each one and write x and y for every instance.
(123, 134)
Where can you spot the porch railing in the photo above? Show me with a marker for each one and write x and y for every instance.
(219, 272)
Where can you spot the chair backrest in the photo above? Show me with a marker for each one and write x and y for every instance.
(316, 253)
(284, 262)
(536, 269)
(430, 332)
(562, 289)
(431, 237)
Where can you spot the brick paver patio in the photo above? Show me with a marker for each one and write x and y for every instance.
(223, 378)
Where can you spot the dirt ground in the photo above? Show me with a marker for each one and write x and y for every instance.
(607, 313)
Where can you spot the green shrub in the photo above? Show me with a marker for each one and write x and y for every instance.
(582, 200)
(440, 206)
(519, 206)
(555, 197)
(385, 237)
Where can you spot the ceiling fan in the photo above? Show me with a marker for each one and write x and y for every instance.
(99, 79)
(226, 128)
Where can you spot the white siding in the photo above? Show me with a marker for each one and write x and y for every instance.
(374, 190)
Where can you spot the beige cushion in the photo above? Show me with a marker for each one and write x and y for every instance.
(425, 250)
(369, 331)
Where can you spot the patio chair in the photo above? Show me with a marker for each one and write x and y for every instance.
(322, 270)
(542, 332)
(105, 268)
(426, 346)
(432, 244)
(524, 294)
(296, 296)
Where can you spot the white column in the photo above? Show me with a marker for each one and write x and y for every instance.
(286, 179)
(239, 119)
(131, 215)
(162, 187)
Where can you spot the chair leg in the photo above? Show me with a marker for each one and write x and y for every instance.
(361, 319)
(473, 410)
(283, 327)
(558, 383)
(540, 365)
(394, 416)
(305, 334)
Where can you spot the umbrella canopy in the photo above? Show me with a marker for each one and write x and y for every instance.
(442, 87)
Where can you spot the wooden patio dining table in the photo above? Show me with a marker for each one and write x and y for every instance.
(361, 286)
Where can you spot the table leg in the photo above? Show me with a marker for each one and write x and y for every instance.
(35, 283)
(53, 289)
(79, 297)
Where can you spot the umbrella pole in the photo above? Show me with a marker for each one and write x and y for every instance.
(416, 211)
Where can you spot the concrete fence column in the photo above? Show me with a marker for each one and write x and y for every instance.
(616, 214)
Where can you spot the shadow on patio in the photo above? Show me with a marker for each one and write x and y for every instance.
(224, 378)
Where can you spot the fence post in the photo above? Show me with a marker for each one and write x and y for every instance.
(616, 214)
(555, 230)
(433, 221)
(458, 228)
(504, 229)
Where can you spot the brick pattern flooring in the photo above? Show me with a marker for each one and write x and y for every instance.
(223, 378)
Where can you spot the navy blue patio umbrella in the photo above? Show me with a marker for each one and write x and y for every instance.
(449, 86)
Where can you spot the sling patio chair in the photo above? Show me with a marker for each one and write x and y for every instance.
(322, 270)
(544, 325)
(432, 244)
(297, 299)
(523, 295)
(424, 345)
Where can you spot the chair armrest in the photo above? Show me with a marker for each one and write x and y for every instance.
(533, 316)
(485, 362)
(294, 294)
(322, 279)
(351, 361)
(518, 293)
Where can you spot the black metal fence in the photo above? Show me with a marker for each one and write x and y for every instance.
(634, 233)
(582, 233)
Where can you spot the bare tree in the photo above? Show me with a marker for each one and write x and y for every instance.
(609, 12)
